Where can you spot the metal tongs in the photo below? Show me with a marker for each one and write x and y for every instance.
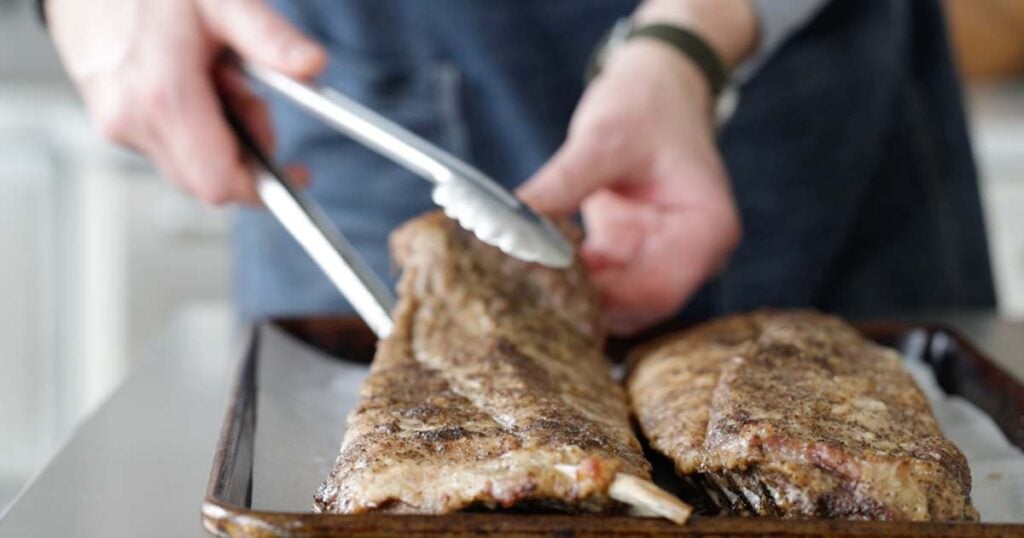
(468, 196)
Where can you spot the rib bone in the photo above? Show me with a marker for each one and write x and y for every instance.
(643, 496)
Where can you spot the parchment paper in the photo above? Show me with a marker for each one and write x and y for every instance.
(997, 466)
(304, 397)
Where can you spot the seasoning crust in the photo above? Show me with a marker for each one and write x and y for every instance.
(795, 414)
(493, 375)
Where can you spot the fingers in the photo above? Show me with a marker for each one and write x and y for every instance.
(586, 162)
(177, 120)
(246, 105)
(194, 145)
(647, 260)
(193, 136)
(163, 95)
(255, 114)
(260, 34)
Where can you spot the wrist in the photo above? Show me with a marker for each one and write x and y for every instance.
(728, 26)
(654, 63)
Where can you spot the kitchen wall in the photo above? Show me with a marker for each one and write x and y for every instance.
(997, 125)
(99, 253)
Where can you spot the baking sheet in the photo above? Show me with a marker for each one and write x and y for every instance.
(997, 466)
(304, 397)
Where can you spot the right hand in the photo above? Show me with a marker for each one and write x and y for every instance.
(149, 74)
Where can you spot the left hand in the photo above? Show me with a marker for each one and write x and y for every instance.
(641, 164)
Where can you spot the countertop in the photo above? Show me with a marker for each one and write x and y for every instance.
(139, 465)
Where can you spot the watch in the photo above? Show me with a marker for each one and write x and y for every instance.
(724, 92)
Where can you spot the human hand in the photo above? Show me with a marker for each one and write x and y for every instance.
(641, 164)
(149, 74)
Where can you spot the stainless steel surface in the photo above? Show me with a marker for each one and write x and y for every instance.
(139, 466)
(135, 467)
(466, 194)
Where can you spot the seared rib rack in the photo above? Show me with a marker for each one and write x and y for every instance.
(492, 391)
(795, 414)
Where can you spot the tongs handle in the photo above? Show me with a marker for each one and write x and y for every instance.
(359, 122)
(307, 222)
(467, 195)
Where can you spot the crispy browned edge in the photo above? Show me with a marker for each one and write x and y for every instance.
(350, 335)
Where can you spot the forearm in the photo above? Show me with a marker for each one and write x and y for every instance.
(729, 26)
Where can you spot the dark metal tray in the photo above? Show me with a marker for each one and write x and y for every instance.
(229, 510)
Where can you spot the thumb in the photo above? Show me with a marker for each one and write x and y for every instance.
(258, 33)
(577, 169)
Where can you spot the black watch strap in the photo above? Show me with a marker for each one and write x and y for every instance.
(693, 46)
(679, 38)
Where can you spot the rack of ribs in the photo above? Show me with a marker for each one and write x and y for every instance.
(795, 414)
(492, 391)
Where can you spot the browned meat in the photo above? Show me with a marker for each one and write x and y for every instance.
(794, 414)
(492, 385)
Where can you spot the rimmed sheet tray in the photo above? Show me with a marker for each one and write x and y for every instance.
(297, 379)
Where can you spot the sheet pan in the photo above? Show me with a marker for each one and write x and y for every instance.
(298, 380)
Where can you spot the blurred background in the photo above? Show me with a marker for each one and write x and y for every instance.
(100, 255)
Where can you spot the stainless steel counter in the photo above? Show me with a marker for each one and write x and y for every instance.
(138, 467)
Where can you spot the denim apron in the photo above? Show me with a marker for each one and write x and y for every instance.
(848, 154)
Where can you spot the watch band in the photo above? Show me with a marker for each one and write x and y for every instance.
(724, 94)
(691, 45)
(685, 41)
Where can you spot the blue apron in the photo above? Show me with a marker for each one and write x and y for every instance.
(848, 154)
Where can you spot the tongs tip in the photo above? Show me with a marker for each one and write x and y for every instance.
(515, 229)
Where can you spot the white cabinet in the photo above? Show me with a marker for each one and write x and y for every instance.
(98, 253)
(28, 357)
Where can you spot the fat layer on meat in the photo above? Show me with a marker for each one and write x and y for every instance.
(795, 414)
(493, 375)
